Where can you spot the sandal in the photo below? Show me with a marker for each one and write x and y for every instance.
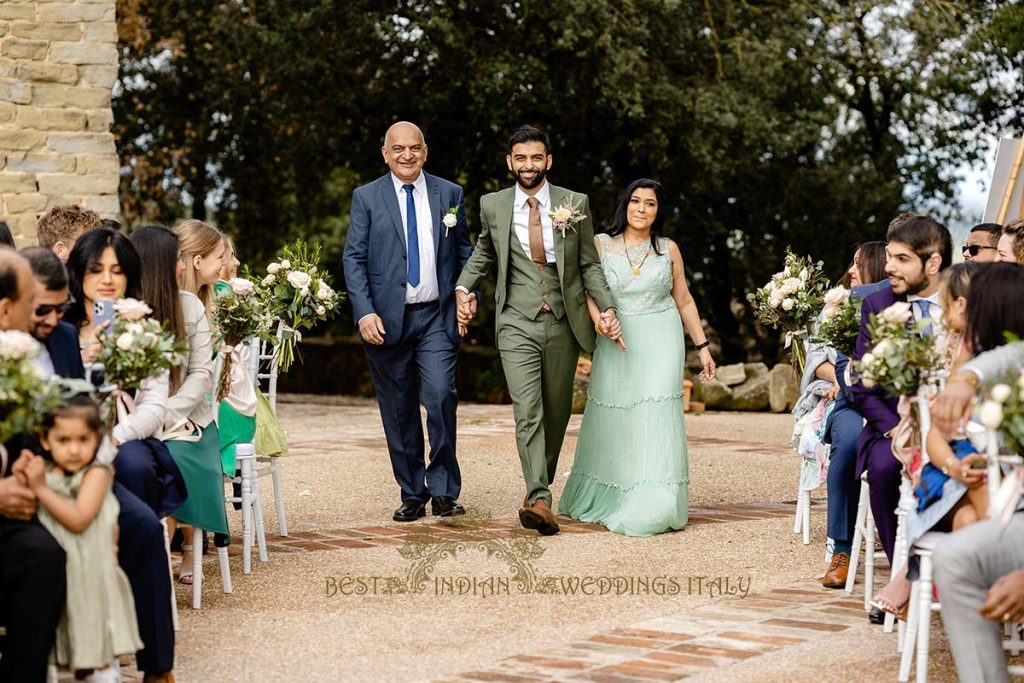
(185, 575)
(898, 611)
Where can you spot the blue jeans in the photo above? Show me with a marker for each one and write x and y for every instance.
(842, 431)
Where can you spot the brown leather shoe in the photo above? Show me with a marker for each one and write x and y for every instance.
(835, 577)
(538, 516)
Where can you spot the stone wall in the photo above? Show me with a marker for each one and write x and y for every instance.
(58, 64)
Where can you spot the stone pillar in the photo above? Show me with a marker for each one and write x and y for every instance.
(58, 64)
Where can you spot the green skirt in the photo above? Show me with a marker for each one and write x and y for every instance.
(234, 429)
(200, 465)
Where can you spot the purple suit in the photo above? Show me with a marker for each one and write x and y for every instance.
(874, 450)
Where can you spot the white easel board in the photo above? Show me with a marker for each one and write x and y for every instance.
(1007, 165)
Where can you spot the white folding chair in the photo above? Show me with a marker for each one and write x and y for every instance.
(264, 366)
(803, 514)
(863, 537)
(917, 637)
(249, 493)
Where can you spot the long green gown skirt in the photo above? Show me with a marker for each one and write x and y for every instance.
(200, 465)
(631, 472)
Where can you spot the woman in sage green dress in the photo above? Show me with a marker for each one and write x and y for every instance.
(630, 473)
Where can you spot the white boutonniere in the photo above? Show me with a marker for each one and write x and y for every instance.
(450, 219)
(567, 216)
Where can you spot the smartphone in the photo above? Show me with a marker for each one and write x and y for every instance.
(103, 311)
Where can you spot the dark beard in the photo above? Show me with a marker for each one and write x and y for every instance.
(537, 180)
(917, 285)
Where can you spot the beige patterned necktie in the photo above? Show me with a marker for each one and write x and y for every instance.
(536, 233)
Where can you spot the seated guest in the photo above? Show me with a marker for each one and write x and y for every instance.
(1011, 243)
(843, 424)
(981, 245)
(32, 580)
(941, 501)
(59, 339)
(979, 570)
(61, 226)
(148, 485)
(919, 249)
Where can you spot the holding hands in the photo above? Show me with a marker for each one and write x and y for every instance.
(465, 310)
(608, 325)
(17, 501)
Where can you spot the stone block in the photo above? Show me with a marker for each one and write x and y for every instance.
(8, 110)
(11, 9)
(81, 143)
(99, 183)
(97, 163)
(8, 67)
(39, 31)
(5, 28)
(75, 13)
(99, 120)
(44, 118)
(100, 32)
(16, 91)
(23, 227)
(753, 370)
(731, 375)
(25, 203)
(783, 388)
(20, 48)
(751, 395)
(61, 95)
(20, 139)
(17, 182)
(106, 205)
(716, 395)
(45, 71)
(42, 163)
(99, 76)
(83, 53)
(63, 200)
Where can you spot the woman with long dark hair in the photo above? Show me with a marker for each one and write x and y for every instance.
(105, 266)
(631, 472)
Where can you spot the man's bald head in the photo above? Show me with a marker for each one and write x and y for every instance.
(405, 151)
(404, 128)
(17, 291)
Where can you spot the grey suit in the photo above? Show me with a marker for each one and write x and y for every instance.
(967, 563)
(996, 365)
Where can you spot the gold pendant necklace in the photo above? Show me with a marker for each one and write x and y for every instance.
(635, 269)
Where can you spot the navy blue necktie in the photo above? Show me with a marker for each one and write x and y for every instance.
(923, 305)
(413, 242)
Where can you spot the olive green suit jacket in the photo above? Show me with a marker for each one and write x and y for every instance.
(579, 266)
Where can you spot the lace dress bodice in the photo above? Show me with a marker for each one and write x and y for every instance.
(637, 289)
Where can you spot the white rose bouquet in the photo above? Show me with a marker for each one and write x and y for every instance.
(1003, 411)
(137, 347)
(839, 323)
(902, 360)
(239, 316)
(299, 292)
(791, 300)
(25, 395)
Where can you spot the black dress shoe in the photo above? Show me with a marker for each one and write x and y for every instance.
(876, 616)
(411, 511)
(445, 506)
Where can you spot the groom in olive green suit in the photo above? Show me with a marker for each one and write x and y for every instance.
(545, 270)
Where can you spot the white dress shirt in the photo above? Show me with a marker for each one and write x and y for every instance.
(521, 219)
(427, 290)
(934, 311)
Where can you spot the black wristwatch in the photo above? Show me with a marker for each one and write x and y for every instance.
(704, 345)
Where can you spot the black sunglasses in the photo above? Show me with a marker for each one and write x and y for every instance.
(46, 309)
(973, 249)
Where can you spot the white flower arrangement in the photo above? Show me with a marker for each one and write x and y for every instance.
(791, 300)
(1003, 411)
(450, 219)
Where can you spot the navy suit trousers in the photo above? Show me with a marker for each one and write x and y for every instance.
(419, 369)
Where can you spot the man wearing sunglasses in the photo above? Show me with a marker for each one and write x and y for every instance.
(59, 338)
(981, 242)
